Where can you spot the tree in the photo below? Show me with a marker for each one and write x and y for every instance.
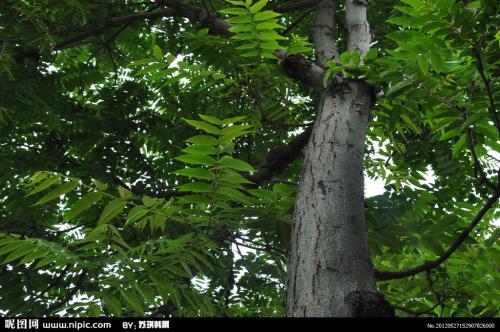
(146, 143)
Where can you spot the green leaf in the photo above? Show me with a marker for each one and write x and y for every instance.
(414, 3)
(396, 87)
(199, 173)
(203, 140)
(241, 28)
(162, 285)
(451, 133)
(236, 164)
(240, 19)
(345, 57)
(37, 178)
(132, 299)
(150, 201)
(202, 259)
(236, 3)
(150, 68)
(233, 120)
(233, 11)
(437, 62)
(271, 36)
(402, 20)
(263, 194)
(474, 4)
(33, 256)
(157, 52)
(210, 119)
(63, 189)
(268, 26)
(234, 194)
(112, 209)
(233, 178)
(23, 250)
(265, 15)
(203, 126)
(200, 149)
(196, 187)
(113, 305)
(11, 246)
(135, 214)
(45, 261)
(45, 184)
(142, 62)
(246, 36)
(372, 54)
(99, 185)
(196, 159)
(198, 199)
(235, 129)
(258, 6)
(423, 64)
(124, 193)
(459, 145)
(83, 204)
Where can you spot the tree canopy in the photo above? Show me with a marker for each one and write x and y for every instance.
(151, 151)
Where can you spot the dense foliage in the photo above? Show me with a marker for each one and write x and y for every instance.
(135, 135)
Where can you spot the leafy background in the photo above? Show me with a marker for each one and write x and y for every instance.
(119, 225)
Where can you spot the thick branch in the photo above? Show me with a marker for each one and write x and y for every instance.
(278, 159)
(301, 69)
(324, 41)
(388, 275)
(359, 37)
(111, 23)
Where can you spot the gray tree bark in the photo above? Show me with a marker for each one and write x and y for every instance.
(329, 271)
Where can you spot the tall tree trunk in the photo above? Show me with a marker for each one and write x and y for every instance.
(329, 271)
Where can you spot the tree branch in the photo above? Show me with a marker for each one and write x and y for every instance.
(112, 23)
(294, 24)
(480, 68)
(295, 5)
(322, 33)
(389, 275)
(359, 37)
(276, 161)
(304, 70)
(301, 69)
(56, 281)
(478, 168)
(279, 158)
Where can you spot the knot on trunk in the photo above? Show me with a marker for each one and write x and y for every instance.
(369, 304)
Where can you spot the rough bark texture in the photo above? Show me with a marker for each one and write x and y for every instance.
(329, 271)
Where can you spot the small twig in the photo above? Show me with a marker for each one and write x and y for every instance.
(295, 23)
(478, 168)
(389, 275)
(56, 281)
(480, 68)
